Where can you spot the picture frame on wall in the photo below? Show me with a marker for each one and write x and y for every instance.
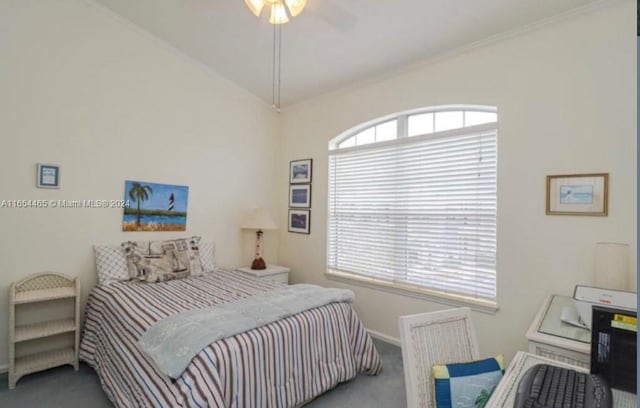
(578, 194)
(300, 171)
(48, 176)
(300, 195)
(299, 221)
(154, 206)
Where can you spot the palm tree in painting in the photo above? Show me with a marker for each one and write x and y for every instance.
(139, 193)
(483, 398)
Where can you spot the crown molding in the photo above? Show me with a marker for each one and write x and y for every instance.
(455, 52)
(431, 60)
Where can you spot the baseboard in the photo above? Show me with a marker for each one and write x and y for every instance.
(384, 337)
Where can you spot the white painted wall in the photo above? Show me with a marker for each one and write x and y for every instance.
(566, 100)
(81, 88)
(86, 90)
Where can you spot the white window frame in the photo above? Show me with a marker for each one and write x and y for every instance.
(403, 123)
(402, 138)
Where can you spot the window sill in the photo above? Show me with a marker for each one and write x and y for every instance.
(413, 291)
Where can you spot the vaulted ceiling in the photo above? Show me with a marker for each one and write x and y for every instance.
(333, 43)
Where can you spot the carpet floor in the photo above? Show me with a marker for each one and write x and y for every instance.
(65, 388)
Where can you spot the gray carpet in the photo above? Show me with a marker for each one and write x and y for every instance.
(62, 387)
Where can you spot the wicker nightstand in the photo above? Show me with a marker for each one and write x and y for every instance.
(552, 338)
(39, 290)
(273, 272)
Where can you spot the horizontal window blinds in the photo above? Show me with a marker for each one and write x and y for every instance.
(417, 212)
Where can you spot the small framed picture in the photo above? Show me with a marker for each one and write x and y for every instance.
(299, 221)
(300, 195)
(300, 171)
(578, 194)
(48, 176)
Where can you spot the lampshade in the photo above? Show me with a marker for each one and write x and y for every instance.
(295, 6)
(278, 14)
(255, 6)
(258, 219)
(612, 265)
(280, 9)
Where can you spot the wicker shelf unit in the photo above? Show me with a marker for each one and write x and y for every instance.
(40, 289)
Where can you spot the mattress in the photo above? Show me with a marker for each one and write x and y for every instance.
(282, 364)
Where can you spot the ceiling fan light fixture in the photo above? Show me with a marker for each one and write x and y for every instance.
(255, 6)
(295, 6)
(278, 14)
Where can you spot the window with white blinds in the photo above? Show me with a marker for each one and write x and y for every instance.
(418, 212)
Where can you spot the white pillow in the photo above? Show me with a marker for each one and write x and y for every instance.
(111, 264)
(207, 256)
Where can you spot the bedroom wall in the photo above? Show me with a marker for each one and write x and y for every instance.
(84, 89)
(565, 94)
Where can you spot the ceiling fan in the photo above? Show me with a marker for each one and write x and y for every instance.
(282, 10)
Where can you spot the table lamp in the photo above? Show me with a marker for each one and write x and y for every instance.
(258, 219)
(612, 266)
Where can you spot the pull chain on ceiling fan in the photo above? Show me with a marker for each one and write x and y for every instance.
(276, 71)
(280, 12)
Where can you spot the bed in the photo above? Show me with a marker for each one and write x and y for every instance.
(282, 364)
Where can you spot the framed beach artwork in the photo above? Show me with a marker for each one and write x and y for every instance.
(48, 176)
(578, 194)
(300, 195)
(300, 171)
(154, 207)
(299, 221)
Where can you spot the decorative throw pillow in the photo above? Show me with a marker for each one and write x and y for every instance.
(111, 264)
(208, 256)
(467, 384)
(157, 261)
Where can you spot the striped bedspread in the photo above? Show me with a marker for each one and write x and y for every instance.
(282, 364)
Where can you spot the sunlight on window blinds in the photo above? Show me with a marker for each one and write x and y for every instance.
(420, 212)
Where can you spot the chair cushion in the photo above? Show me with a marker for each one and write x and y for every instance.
(467, 384)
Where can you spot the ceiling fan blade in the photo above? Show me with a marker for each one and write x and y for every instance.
(333, 13)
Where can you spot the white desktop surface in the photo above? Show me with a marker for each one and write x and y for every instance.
(553, 326)
(505, 392)
(550, 337)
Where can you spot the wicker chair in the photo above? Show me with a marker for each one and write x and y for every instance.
(434, 338)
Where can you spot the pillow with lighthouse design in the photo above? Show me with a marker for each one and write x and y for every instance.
(159, 261)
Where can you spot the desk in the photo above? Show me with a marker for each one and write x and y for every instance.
(552, 338)
(505, 392)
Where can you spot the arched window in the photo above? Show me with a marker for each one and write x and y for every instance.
(412, 203)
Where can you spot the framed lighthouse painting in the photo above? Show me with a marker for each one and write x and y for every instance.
(154, 206)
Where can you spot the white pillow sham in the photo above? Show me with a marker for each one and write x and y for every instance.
(111, 264)
(208, 256)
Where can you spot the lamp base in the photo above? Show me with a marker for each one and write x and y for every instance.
(258, 263)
